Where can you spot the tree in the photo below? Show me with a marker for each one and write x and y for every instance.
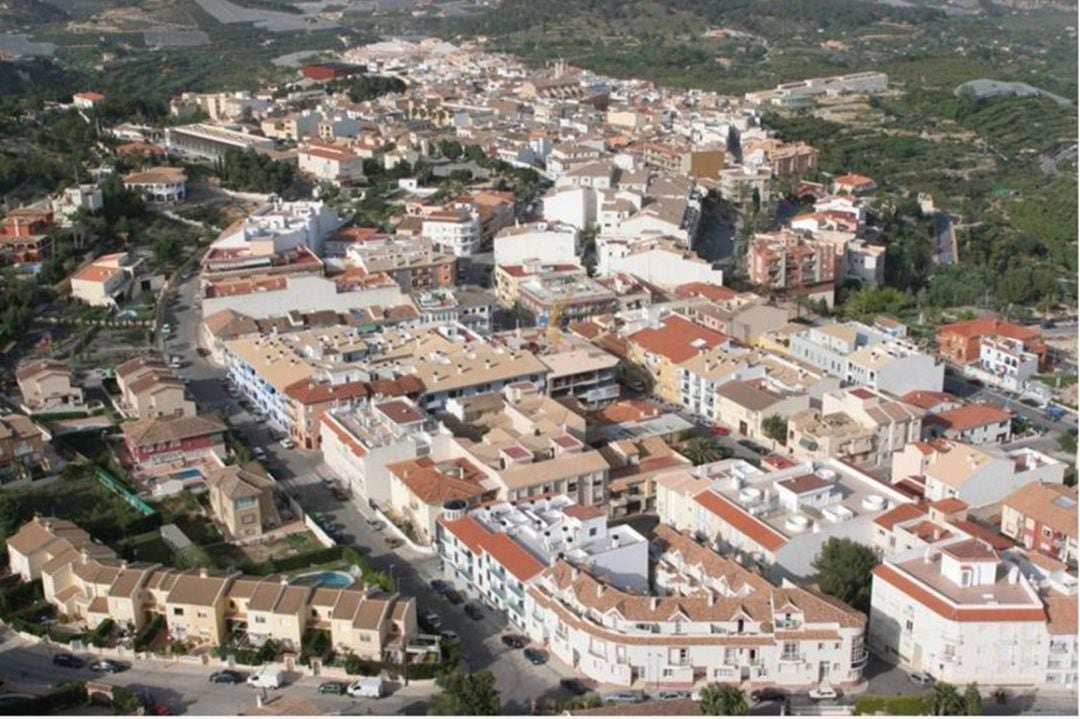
(844, 571)
(466, 693)
(702, 450)
(1067, 443)
(972, 700)
(723, 700)
(869, 301)
(775, 428)
(945, 700)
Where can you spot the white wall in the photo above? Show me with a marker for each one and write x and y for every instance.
(304, 294)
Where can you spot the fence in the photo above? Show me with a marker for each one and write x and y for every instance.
(123, 492)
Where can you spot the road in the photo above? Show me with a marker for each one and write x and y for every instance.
(962, 387)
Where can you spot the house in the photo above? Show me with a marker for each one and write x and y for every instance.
(963, 613)
(110, 279)
(972, 424)
(44, 539)
(159, 184)
(662, 347)
(157, 395)
(1043, 517)
(242, 499)
(24, 236)
(87, 100)
(184, 439)
(46, 384)
(194, 605)
(332, 164)
(22, 444)
(421, 487)
(959, 342)
(744, 406)
(853, 184)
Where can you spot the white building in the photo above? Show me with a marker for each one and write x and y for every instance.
(279, 226)
(87, 197)
(308, 293)
(710, 620)
(1003, 362)
(211, 142)
(159, 184)
(455, 230)
(330, 164)
(962, 613)
(546, 242)
(657, 262)
(496, 550)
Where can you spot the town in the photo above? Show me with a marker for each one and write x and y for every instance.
(431, 382)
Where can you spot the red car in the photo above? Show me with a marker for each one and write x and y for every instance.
(721, 431)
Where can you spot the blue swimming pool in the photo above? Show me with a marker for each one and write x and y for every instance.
(187, 474)
(324, 579)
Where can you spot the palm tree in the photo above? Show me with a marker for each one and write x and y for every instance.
(723, 700)
(702, 450)
(972, 700)
(945, 700)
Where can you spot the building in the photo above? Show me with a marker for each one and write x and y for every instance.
(330, 164)
(210, 142)
(962, 613)
(657, 261)
(976, 475)
(960, 342)
(110, 279)
(586, 373)
(786, 260)
(412, 262)
(88, 197)
(156, 395)
(455, 230)
(854, 424)
(420, 488)
(262, 297)
(1042, 517)
(1003, 362)
(242, 499)
(543, 242)
(498, 549)
(22, 445)
(558, 297)
(662, 347)
(181, 440)
(46, 384)
(280, 226)
(711, 620)
(971, 424)
(853, 184)
(159, 184)
(776, 520)
(87, 100)
(746, 405)
(323, 71)
(24, 236)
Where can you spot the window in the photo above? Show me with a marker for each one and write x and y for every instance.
(178, 611)
(909, 625)
(260, 620)
(248, 519)
(201, 614)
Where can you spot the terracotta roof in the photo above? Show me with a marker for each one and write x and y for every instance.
(926, 399)
(497, 545)
(1053, 505)
(40, 366)
(950, 505)
(970, 417)
(970, 549)
(437, 482)
(985, 326)
(149, 430)
(1061, 613)
(750, 526)
(899, 514)
(716, 293)
(675, 338)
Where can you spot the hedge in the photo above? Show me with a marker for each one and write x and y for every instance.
(363, 667)
(148, 633)
(894, 705)
(65, 696)
(101, 634)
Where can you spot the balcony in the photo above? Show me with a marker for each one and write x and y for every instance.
(859, 660)
(789, 658)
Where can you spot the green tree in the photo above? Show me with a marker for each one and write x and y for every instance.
(869, 301)
(466, 693)
(945, 700)
(972, 700)
(723, 700)
(1067, 443)
(702, 450)
(844, 570)
(775, 428)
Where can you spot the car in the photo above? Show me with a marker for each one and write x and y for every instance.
(160, 710)
(287, 443)
(439, 586)
(535, 656)
(575, 686)
(453, 596)
(227, 676)
(753, 446)
(768, 694)
(176, 362)
(375, 524)
(515, 641)
(266, 679)
(335, 688)
(433, 620)
(823, 692)
(68, 661)
(720, 430)
(921, 679)
(669, 694)
(1028, 401)
(624, 697)
(258, 453)
(449, 636)
(107, 666)
(473, 612)
(340, 494)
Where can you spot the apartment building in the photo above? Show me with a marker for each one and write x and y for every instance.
(547, 243)
(584, 372)
(498, 549)
(279, 226)
(665, 345)
(561, 297)
(262, 296)
(971, 424)
(863, 355)
(46, 384)
(412, 262)
(854, 424)
(745, 405)
(1003, 362)
(787, 260)
(655, 260)
(510, 278)
(420, 489)
(962, 612)
(455, 229)
(86, 581)
(976, 475)
(1043, 517)
(961, 342)
(776, 520)
(710, 621)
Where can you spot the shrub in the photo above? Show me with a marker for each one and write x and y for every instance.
(66, 696)
(148, 633)
(363, 667)
(898, 705)
(102, 633)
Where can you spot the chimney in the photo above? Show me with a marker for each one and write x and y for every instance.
(599, 590)
(712, 598)
(1014, 574)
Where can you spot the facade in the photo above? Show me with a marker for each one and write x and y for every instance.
(855, 424)
(1042, 517)
(787, 260)
(537, 242)
(972, 424)
(108, 280)
(242, 499)
(662, 347)
(421, 487)
(455, 230)
(151, 441)
(331, 164)
(962, 613)
(159, 184)
(210, 142)
(959, 342)
(22, 444)
(46, 384)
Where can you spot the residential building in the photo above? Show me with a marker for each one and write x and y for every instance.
(210, 142)
(159, 184)
(657, 261)
(1043, 517)
(242, 499)
(420, 489)
(151, 441)
(279, 226)
(269, 296)
(787, 260)
(635, 464)
(776, 520)
(22, 445)
(962, 613)
(455, 229)
(543, 242)
(510, 278)
(46, 384)
(110, 279)
(584, 372)
(971, 424)
(745, 405)
(1003, 362)
(156, 395)
(960, 342)
(713, 621)
(664, 346)
(496, 550)
(87, 197)
(24, 237)
(331, 164)
(413, 263)
(553, 298)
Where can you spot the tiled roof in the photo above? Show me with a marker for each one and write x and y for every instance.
(753, 528)
(1052, 505)
(676, 338)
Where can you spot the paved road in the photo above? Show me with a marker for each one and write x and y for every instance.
(961, 387)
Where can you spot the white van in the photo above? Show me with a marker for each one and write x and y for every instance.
(371, 687)
(267, 679)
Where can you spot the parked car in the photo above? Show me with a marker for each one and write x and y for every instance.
(340, 494)
(439, 586)
(921, 679)
(107, 666)
(227, 676)
(768, 694)
(258, 453)
(335, 688)
(375, 524)
(454, 596)
(473, 612)
(68, 661)
(823, 692)
(449, 636)
(669, 694)
(575, 686)
(720, 430)
(432, 619)
(535, 656)
(753, 446)
(287, 443)
(624, 697)
(515, 641)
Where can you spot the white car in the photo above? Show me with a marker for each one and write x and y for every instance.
(267, 679)
(449, 636)
(287, 443)
(823, 692)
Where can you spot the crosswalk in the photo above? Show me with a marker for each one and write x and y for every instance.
(319, 474)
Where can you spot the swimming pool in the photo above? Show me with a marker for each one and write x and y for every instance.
(324, 579)
(187, 474)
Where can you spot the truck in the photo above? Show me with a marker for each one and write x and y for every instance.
(370, 687)
(267, 679)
